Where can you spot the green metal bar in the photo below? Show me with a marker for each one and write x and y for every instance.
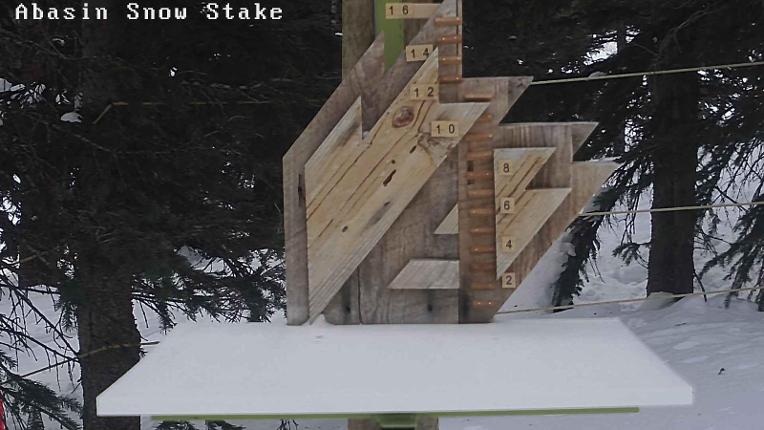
(397, 421)
(393, 29)
(533, 412)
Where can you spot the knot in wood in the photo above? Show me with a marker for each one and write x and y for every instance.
(403, 117)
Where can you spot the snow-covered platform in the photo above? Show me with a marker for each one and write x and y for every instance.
(517, 366)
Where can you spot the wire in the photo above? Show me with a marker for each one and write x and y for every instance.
(672, 209)
(610, 302)
(79, 356)
(647, 73)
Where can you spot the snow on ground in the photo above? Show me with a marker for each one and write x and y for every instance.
(716, 350)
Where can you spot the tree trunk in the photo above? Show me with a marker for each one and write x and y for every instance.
(675, 160)
(109, 338)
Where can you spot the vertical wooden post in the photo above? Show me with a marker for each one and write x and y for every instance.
(357, 31)
(361, 20)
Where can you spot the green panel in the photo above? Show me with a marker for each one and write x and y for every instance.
(393, 29)
(403, 418)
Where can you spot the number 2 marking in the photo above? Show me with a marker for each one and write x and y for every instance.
(509, 281)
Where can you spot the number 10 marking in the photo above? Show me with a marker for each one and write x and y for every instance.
(444, 129)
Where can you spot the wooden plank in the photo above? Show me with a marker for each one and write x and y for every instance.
(477, 271)
(339, 151)
(481, 305)
(384, 91)
(581, 132)
(534, 208)
(428, 274)
(450, 224)
(585, 180)
(588, 178)
(373, 192)
(369, 69)
(411, 235)
(514, 169)
(525, 164)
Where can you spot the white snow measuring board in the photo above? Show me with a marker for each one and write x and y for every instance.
(513, 367)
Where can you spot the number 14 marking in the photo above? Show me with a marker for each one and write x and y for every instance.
(418, 52)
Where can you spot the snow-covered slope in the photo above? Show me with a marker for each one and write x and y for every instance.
(719, 351)
(697, 339)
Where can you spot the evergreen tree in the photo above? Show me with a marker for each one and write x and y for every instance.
(170, 199)
(677, 125)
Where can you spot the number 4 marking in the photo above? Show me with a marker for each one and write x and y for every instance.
(507, 244)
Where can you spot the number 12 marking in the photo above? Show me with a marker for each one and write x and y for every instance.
(424, 92)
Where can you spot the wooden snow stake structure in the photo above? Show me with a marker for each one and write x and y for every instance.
(407, 201)
(406, 198)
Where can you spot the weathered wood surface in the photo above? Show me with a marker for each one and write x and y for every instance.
(584, 179)
(377, 88)
(428, 274)
(339, 151)
(383, 92)
(357, 31)
(450, 224)
(412, 236)
(356, 210)
(534, 208)
(588, 178)
(369, 69)
(365, 296)
(580, 132)
(399, 306)
(477, 270)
